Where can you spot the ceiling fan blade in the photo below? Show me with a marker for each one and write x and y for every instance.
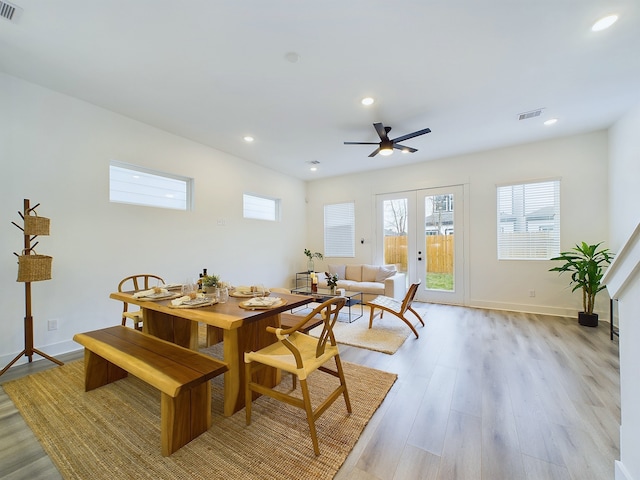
(404, 148)
(375, 152)
(382, 132)
(411, 135)
(361, 143)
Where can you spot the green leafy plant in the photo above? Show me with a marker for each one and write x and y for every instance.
(210, 280)
(332, 279)
(311, 256)
(585, 263)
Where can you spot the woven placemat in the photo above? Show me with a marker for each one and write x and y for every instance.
(114, 431)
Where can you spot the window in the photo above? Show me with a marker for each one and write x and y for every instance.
(261, 208)
(339, 230)
(142, 186)
(529, 221)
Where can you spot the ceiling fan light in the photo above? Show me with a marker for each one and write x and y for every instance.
(604, 23)
(386, 150)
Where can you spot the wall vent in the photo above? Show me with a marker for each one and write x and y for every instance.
(531, 114)
(10, 12)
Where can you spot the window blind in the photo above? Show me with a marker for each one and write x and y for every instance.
(529, 220)
(142, 186)
(339, 230)
(261, 208)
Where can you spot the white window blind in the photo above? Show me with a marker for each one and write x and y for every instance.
(339, 230)
(143, 186)
(529, 221)
(260, 208)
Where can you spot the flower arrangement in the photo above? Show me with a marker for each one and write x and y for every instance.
(332, 279)
(210, 280)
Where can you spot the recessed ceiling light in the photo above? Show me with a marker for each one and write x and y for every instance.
(551, 121)
(604, 23)
(367, 101)
(248, 138)
(313, 169)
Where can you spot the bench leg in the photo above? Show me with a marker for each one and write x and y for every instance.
(99, 372)
(184, 417)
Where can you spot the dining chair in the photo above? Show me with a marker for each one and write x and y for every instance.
(300, 354)
(136, 282)
(395, 307)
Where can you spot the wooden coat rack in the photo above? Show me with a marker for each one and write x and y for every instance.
(32, 267)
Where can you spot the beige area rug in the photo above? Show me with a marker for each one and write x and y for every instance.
(387, 334)
(114, 431)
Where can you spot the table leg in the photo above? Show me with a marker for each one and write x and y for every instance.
(174, 329)
(250, 337)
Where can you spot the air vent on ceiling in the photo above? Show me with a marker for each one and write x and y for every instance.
(314, 162)
(531, 114)
(10, 12)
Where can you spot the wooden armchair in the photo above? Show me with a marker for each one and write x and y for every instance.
(136, 282)
(300, 354)
(395, 307)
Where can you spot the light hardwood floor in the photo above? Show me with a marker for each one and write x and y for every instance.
(482, 394)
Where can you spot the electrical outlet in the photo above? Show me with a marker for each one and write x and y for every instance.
(52, 324)
(221, 222)
(532, 293)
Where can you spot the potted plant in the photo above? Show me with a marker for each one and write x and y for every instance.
(209, 282)
(585, 263)
(332, 281)
(311, 256)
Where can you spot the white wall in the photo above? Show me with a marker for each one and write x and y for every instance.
(580, 161)
(625, 215)
(55, 150)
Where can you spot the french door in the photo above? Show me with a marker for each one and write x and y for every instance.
(421, 232)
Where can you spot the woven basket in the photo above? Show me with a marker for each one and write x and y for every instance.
(35, 225)
(34, 268)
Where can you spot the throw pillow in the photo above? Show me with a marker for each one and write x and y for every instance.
(338, 270)
(353, 272)
(369, 273)
(384, 273)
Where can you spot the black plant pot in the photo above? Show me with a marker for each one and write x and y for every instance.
(588, 319)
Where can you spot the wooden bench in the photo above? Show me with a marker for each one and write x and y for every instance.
(182, 375)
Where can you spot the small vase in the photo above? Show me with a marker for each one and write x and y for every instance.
(310, 266)
(333, 290)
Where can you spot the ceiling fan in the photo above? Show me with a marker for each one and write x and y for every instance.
(386, 146)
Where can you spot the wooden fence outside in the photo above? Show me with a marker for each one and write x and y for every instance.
(438, 248)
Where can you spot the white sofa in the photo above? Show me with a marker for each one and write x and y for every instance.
(371, 280)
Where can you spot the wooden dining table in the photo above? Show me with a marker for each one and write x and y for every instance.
(241, 330)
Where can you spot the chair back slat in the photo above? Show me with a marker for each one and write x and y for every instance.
(329, 310)
(408, 299)
(135, 281)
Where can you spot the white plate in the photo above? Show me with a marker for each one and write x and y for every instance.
(159, 296)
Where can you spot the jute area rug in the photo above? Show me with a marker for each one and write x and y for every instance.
(114, 431)
(387, 334)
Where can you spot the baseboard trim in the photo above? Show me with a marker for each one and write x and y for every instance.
(52, 350)
(621, 472)
(535, 309)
